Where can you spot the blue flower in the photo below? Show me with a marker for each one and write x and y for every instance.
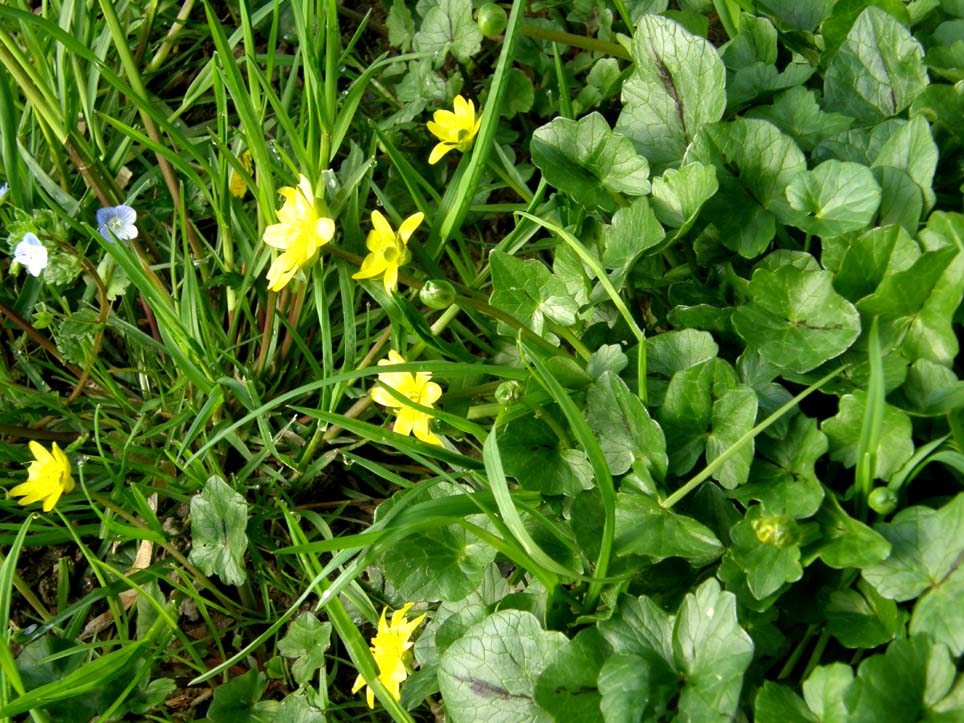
(117, 222)
(3, 190)
(31, 253)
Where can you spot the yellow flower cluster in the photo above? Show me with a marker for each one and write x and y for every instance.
(304, 227)
(391, 648)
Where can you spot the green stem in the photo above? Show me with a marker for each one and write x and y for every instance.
(577, 41)
(708, 471)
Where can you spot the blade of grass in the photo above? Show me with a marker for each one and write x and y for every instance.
(590, 445)
(872, 423)
(708, 471)
(573, 243)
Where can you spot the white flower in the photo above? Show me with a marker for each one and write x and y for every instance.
(117, 222)
(31, 253)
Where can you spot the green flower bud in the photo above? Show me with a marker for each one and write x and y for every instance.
(492, 20)
(437, 294)
(882, 500)
(776, 530)
(508, 392)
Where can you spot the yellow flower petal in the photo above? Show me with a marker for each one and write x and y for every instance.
(48, 477)
(390, 648)
(418, 389)
(301, 230)
(387, 249)
(454, 130)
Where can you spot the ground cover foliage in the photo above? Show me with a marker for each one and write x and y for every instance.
(566, 361)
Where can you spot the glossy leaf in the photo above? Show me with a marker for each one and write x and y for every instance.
(677, 85)
(878, 71)
(491, 672)
(588, 161)
(834, 198)
(795, 319)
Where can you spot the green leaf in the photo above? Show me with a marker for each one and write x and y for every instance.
(861, 619)
(932, 389)
(629, 438)
(678, 195)
(768, 566)
(89, 679)
(639, 626)
(533, 453)
(946, 56)
(873, 256)
(636, 687)
(712, 652)
(844, 429)
(734, 415)
(446, 563)
(783, 478)
(75, 336)
(703, 644)
(912, 150)
(588, 161)
(239, 701)
(895, 685)
(797, 113)
(928, 546)
(401, 26)
(824, 691)
(795, 319)
(527, 291)
(778, 704)
(798, 14)
(847, 542)
(844, 14)
(643, 527)
(519, 94)
(677, 85)
(449, 26)
(940, 614)
(634, 230)
(836, 197)
(490, 673)
(307, 641)
(676, 351)
(755, 162)
(916, 306)
(686, 416)
(877, 72)
(567, 687)
(219, 519)
(762, 79)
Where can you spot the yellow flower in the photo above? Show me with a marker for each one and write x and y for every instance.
(418, 388)
(48, 477)
(301, 230)
(388, 249)
(391, 649)
(236, 183)
(454, 130)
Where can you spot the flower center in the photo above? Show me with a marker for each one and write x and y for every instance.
(391, 254)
